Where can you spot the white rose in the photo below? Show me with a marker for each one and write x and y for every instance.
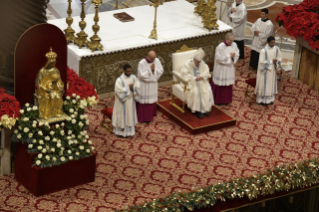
(34, 141)
(77, 153)
(34, 108)
(75, 141)
(70, 158)
(83, 103)
(68, 119)
(86, 136)
(30, 135)
(81, 147)
(59, 145)
(87, 122)
(59, 141)
(76, 113)
(44, 150)
(51, 132)
(74, 95)
(30, 146)
(27, 104)
(62, 148)
(40, 133)
(40, 124)
(34, 125)
(65, 102)
(20, 128)
(73, 136)
(41, 142)
(47, 138)
(69, 137)
(69, 151)
(52, 150)
(81, 106)
(73, 121)
(84, 140)
(89, 142)
(87, 150)
(62, 132)
(57, 126)
(54, 159)
(62, 124)
(71, 110)
(29, 109)
(92, 148)
(19, 136)
(26, 130)
(70, 132)
(70, 142)
(39, 147)
(38, 162)
(73, 116)
(79, 136)
(26, 119)
(80, 124)
(47, 157)
(74, 101)
(40, 155)
(16, 131)
(54, 140)
(84, 132)
(78, 97)
(62, 158)
(22, 111)
(68, 98)
(46, 124)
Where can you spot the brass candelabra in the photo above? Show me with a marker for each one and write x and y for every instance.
(69, 32)
(200, 7)
(95, 43)
(209, 16)
(153, 35)
(81, 39)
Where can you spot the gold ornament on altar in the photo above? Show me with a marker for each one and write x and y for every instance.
(49, 90)
(81, 39)
(156, 4)
(201, 4)
(69, 32)
(209, 16)
(95, 43)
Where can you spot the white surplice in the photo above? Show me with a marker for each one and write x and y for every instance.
(237, 20)
(224, 65)
(148, 80)
(199, 95)
(265, 29)
(266, 82)
(124, 115)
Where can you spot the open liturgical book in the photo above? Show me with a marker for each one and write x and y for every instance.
(124, 17)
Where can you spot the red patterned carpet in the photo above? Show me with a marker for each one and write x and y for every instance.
(162, 157)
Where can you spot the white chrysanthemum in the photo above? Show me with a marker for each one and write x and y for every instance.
(62, 158)
(34, 141)
(34, 107)
(68, 98)
(71, 110)
(22, 111)
(54, 140)
(41, 142)
(54, 159)
(73, 121)
(40, 155)
(30, 135)
(38, 162)
(87, 150)
(30, 146)
(29, 109)
(52, 150)
(19, 136)
(57, 126)
(16, 131)
(74, 101)
(70, 158)
(47, 157)
(51, 132)
(77, 153)
(47, 138)
(44, 150)
(39, 147)
(81, 147)
(89, 142)
(74, 95)
(26, 119)
(59, 145)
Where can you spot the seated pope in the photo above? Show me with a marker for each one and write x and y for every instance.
(199, 96)
(49, 89)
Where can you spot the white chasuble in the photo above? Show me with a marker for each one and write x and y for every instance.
(265, 29)
(124, 115)
(266, 82)
(237, 20)
(224, 65)
(148, 80)
(199, 95)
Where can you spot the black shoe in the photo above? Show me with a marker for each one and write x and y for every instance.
(263, 104)
(271, 103)
(199, 115)
(206, 114)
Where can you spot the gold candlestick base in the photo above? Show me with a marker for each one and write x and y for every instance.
(81, 39)
(153, 34)
(95, 43)
(69, 32)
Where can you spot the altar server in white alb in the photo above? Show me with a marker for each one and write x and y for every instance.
(261, 30)
(237, 16)
(199, 96)
(150, 70)
(266, 82)
(124, 115)
(226, 56)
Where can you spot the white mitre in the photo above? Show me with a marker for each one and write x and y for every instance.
(199, 55)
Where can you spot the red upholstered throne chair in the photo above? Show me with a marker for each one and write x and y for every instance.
(250, 83)
(107, 113)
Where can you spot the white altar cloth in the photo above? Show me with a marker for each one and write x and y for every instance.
(176, 20)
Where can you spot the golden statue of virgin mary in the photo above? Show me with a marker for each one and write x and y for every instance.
(49, 89)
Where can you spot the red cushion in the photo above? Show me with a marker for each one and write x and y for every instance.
(251, 82)
(107, 112)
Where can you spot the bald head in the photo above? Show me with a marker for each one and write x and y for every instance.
(151, 56)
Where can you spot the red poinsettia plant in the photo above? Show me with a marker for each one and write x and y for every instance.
(78, 86)
(302, 20)
(9, 109)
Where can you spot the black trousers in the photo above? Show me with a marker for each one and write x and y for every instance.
(254, 59)
(240, 45)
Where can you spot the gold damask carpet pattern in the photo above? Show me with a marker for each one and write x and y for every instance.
(163, 157)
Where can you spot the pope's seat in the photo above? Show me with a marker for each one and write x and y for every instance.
(180, 84)
(252, 83)
(107, 113)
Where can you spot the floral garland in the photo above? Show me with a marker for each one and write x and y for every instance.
(56, 144)
(9, 109)
(302, 20)
(282, 178)
(80, 87)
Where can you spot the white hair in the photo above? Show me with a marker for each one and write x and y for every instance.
(228, 35)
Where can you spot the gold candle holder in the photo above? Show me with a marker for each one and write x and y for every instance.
(209, 16)
(81, 39)
(154, 31)
(69, 32)
(200, 6)
(95, 39)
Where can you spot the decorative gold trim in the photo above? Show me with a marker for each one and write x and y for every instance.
(53, 119)
(184, 48)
